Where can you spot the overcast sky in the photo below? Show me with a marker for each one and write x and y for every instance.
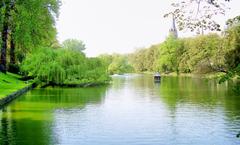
(119, 26)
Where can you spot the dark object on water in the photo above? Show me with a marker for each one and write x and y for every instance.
(157, 77)
(238, 135)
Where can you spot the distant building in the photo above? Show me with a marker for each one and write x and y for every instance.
(173, 31)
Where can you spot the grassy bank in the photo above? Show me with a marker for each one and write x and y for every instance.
(10, 83)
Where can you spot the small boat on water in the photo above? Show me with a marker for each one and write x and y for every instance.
(157, 77)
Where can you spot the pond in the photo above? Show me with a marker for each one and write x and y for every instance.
(132, 110)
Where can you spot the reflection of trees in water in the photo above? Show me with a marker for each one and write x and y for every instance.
(24, 131)
(176, 90)
(205, 94)
(208, 96)
(118, 82)
(29, 119)
(232, 113)
(143, 82)
(133, 82)
(66, 97)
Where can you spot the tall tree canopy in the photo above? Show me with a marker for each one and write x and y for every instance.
(26, 24)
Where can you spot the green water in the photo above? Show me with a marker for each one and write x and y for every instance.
(132, 110)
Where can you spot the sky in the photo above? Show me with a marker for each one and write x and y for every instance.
(119, 26)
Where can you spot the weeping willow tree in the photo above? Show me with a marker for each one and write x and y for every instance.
(64, 67)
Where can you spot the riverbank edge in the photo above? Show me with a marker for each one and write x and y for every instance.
(82, 85)
(9, 98)
(212, 75)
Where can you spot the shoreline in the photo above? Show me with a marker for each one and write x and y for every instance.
(212, 75)
(4, 101)
(82, 85)
(9, 98)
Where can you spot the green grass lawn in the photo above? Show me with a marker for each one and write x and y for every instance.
(10, 83)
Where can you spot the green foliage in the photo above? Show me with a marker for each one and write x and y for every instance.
(168, 60)
(138, 61)
(232, 45)
(106, 59)
(119, 65)
(231, 74)
(34, 23)
(145, 59)
(29, 24)
(116, 63)
(64, 67)
(74, 44)
(232, 56)
(202, 54)
(163, 57)
(151, 56)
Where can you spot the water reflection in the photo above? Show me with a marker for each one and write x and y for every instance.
(191, 100)
(30, 119)
(133, 110)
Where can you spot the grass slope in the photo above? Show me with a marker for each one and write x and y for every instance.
(10, 83)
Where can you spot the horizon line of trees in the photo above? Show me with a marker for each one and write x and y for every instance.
(28, 32)
(200, 54)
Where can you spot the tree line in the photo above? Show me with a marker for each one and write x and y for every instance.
(29, 45)
(200, 54)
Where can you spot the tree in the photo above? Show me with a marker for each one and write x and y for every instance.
(138, 61)
(198, 15)
(150, 58)
(35, 24)
(202, 54)
(74, 44)
(119, 65)
(106, 59)
(168, 55)
(7, 8)
(63, 67)
(26, 24)
(232, 55)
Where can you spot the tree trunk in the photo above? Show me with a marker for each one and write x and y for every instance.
(9, 5)
(3, 67)
(12, 51)
(3, 62)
